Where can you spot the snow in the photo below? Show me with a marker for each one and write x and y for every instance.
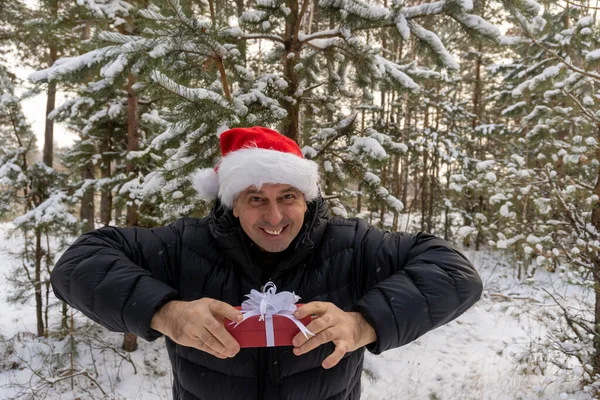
(588, 20)
(115, 68)
(368, 146)
(67, 65)
(478, 356)
(478, 24)
(593, 55)
(371, 178)
(402, 25)
(393, 70)
(253, 16)
(491, 177)
(485, 165)
(467, 5)
(531, 84)
(52, 210)
(435, 43)
(432, 8)
(512, 40)
(514, 107)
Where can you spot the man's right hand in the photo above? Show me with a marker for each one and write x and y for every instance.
(199, 324)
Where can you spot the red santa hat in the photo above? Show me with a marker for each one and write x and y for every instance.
(252, 157)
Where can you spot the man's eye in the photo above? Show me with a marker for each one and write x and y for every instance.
(255, 199)
(289, 197)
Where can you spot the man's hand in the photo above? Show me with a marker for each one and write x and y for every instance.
(347, 330)
(199, 324)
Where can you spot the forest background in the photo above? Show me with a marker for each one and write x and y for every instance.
(476, 121)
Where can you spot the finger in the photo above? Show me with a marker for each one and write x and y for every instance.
(226, 343)
(315, 307)
(200, 345)
(221, 309)
(320, 338)
(316, 326)
(335, 357)
(219, 339)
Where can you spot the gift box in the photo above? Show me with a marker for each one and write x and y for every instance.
(252, 332)
(268, 319)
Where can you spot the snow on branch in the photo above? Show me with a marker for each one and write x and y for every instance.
(435, 44)
(478, 24)
(358, 8)
(393, 70)
(423, 9)
(68, 65)
(369, 147)
(514, 107)
(194, 95)
(153, 15)
(402, 25)
(109, 9)
(335, 32)
(51, 211)
(593, 56)
(531, 84)
(117, 38)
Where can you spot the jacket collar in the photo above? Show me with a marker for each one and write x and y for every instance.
(229, 236)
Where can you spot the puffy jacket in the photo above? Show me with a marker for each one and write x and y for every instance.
(403, 284)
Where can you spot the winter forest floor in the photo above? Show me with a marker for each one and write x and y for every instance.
(474, 357)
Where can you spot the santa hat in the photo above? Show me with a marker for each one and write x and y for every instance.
(252, 157)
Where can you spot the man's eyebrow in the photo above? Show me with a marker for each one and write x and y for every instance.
(289, 189)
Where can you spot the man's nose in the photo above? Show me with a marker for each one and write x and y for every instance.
(273, 215)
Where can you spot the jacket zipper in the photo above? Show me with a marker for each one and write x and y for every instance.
(261, 374)
(275, 369)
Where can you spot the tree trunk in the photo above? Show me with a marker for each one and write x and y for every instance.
(425, 180)
(50, 105)
(424, 192)
(596, 274)
(383, 183)
(292, 57)
(87, 210)
(132, 142)
(396, 188)
(130, 340)
(38, 283)
(105, 173)
(359, 198)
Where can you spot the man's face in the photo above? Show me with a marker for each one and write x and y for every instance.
(271, 216)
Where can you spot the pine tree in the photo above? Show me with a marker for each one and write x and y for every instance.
(28, 189)
(549, 196)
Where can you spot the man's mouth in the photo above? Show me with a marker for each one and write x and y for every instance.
(273, 232)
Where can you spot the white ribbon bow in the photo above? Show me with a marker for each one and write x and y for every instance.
(269, 303)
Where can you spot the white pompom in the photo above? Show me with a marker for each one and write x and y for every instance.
(206, 183)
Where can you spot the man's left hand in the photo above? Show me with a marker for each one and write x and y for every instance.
(349, 331)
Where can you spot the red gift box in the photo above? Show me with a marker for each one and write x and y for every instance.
(251, 332)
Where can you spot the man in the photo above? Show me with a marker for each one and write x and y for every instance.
(365, 288)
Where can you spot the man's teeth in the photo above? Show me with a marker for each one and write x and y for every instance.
(277, 232)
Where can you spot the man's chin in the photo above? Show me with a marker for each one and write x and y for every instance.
(273, 247)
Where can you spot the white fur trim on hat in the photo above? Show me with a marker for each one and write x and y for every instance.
(247, 167)
(206, 183)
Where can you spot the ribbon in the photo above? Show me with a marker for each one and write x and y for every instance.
(269, 303)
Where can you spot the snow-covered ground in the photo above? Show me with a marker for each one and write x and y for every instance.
(473, 357)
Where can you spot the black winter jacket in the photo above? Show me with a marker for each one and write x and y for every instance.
(404, 285)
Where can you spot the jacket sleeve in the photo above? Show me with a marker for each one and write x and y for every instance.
(119, 277)
(411, 284)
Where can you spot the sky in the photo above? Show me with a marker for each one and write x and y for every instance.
(34, 109)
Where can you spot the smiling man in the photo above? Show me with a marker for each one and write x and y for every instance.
(364, 287)
(271, 216)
